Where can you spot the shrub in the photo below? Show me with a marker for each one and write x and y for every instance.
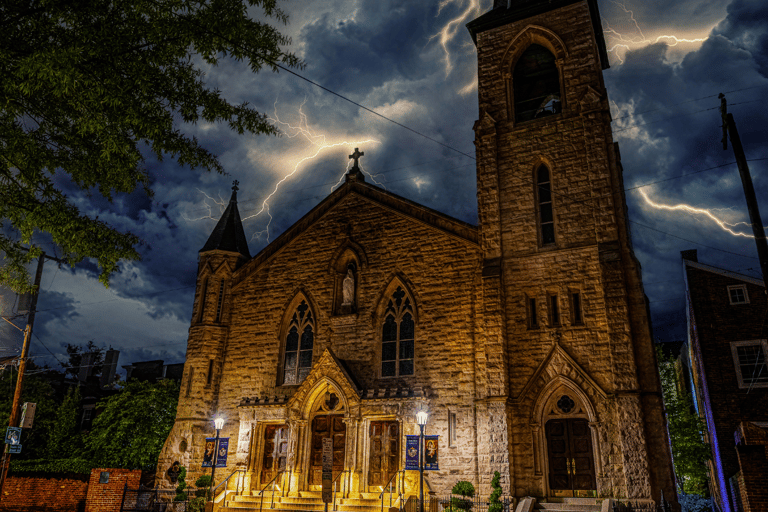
(180, 494)
(494, 503)
(465, 489)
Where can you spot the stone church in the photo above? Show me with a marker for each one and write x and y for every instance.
(526, 338)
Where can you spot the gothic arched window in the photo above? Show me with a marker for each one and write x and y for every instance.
(544, 206)
(536, 83)
(299, 340)
(397, 336)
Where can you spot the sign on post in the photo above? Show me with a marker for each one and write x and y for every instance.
(13, 440)
(221, 452)
(327, 469)
(412, 452)
(27, 414)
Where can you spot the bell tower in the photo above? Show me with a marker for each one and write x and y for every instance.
(568, 348)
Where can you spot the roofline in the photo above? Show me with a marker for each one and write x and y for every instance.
(388, 200)
(723, 272)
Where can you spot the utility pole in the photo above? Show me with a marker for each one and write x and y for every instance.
(16, 405)
(729, 128)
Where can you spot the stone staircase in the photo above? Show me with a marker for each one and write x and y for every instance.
(307, 501)
(568, 505)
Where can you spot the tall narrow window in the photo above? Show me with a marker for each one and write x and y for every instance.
(209, 378)
(298, 345)
(189, 381)
(544, 200)
(220, 302)
(397, 336)
(576, 315)
(533, 316)
(452, 437)
(554, 311)
(203, 296)
(536, 84)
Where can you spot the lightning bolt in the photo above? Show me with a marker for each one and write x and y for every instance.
(451, 28)
(619, 41)
(318, 143)
(726, 226)
(222, 204)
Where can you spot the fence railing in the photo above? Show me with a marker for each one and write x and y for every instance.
(642, 506)
(154, 500)
(457, 503)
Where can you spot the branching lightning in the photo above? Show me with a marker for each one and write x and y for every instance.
(726, 226)
(318, 143)
(451, 28)
(619, 41)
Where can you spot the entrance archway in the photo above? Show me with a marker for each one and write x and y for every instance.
(566, 440)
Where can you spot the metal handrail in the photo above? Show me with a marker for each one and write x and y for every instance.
(261, 492)
(399, 492)
(237, 491)
(343, 472)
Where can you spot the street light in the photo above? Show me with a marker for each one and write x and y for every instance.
(421, 419)
(219, 424)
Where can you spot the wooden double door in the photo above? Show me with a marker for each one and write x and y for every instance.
(571, 459)
(275, 453)
(327, 425)
(384, 452)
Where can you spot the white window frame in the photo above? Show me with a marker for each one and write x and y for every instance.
(742, 287)
(734, 351)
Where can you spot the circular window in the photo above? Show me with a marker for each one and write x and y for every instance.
(565, 404)
(183, 446)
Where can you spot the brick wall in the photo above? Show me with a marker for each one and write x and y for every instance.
(107, 497)
(45, 493)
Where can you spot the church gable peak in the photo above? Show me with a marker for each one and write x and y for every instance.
(558, 364)
(327, 375)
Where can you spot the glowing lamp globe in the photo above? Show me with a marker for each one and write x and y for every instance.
(219, 423)
(421, 417)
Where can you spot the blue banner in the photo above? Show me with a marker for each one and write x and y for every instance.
(412, 452)
(220, 456)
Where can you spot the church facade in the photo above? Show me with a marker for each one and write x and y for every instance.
(525, 338)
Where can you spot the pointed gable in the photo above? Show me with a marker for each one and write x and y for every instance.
(228, 235)
(328, 368)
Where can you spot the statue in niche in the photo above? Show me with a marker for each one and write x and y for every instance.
(348, 289)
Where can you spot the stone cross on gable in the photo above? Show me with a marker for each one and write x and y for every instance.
(235, 187)
(356, 156)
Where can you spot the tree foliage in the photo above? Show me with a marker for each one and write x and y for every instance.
(64, 440)
(132, 425)
(689, 451)
(75, 359)
(88, 86)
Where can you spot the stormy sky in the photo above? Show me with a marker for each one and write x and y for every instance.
(414, 62)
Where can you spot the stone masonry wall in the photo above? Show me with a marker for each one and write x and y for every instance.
(591, 256)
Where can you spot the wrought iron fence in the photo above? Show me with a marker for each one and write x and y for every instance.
(154, 500)
(456, 503)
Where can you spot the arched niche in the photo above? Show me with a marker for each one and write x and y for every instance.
(345, 267)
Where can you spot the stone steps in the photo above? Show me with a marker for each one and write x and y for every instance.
(568, 505)
(307, 501)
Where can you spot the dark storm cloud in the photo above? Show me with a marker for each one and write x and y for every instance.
(665, 131)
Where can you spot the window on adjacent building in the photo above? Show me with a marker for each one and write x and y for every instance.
(536, 84)
(737, 293)
(397, 336)
(299, 342)
(749, 358)
(554, 311)
(544, 206)
(576, 315)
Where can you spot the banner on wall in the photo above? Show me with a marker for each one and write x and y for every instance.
(412, 452)
(431, 452)
(220, 455)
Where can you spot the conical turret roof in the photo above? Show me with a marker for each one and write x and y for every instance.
(228, 235)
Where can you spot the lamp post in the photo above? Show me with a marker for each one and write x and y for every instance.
(219, 424)
(421, 419)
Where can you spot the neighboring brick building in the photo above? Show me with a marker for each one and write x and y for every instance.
(727, 326)
(526, 338)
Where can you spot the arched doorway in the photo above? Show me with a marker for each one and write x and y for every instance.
(568, 440)
(328, 421)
